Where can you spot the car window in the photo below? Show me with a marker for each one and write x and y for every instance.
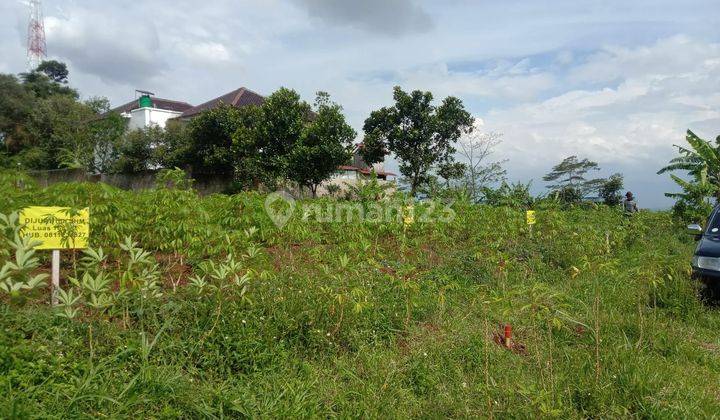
(713, 226)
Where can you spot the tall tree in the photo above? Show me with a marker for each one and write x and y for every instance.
(16, 104)
(288, 139)
(420, 134)
(60, 134)
(54, 70)
(325, 144)
(210, 149)
(48, 79)
(135, 152)
(610, 190)
(568, 178)
(476, 148)
(106, 135)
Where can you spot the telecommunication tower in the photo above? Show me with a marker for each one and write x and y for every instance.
(36, 46)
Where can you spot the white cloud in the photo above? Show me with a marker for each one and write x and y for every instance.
(206, 52)
(631, 126)
(513, 84)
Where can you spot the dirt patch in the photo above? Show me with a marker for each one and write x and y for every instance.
(710, 346)
(176, 271)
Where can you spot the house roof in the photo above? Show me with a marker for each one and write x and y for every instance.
(237, 98)
(160, 103)
(364, 171)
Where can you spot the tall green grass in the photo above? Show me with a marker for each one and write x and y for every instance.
(369, 320)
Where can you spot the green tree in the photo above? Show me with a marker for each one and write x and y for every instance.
(54, 70)
(49, 82)
(135, 152)
(59, 134)
(263, 145)
(325, 144)
(610, 190)
(451, 171)
(106, 136)
(16, 104)
(508, 195)
(285, 139)
(210, 148)
(420, 134)
(568, 179)
(174, 148)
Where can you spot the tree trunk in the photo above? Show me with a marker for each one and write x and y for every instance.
(413, 187)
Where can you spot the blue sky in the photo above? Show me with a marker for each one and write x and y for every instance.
(614, 81)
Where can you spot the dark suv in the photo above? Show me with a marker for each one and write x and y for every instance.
(706, 260)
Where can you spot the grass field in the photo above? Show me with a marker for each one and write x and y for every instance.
(223, 314)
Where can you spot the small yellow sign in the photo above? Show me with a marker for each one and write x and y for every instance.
(530, 217)
(56, 227)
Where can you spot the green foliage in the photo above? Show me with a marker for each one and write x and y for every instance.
(18, 274)
(325, 144)
(693, 203)
(44, 126)
(15, 107)
(210, 310)
(702, 164)
(611, 190)
(266, 145)
(107, 136)
(43, 84)
(173, 178)
(54, 70)
(285, 139)
(135, 150)
(367, 190)
(568, 179)
(515, 195)
(420, 134)
(209, 148)
(175, 149)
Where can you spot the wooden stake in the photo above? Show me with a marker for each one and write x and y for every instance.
(55, 277)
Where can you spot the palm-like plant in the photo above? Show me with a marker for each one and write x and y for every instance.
(701, 161)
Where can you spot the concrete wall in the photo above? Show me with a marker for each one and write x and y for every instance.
(138, 181)
(203, 184)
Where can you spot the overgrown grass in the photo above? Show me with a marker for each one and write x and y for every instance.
(366, 319)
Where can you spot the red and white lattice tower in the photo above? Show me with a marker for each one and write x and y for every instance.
(36, 47)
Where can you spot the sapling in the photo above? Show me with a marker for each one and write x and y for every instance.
(67, 303)
(16, 276)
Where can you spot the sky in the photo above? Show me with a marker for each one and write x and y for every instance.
(617, 82)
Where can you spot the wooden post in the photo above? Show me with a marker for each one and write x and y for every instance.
(55, 277)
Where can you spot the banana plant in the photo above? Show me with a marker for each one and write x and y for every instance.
(701, 161)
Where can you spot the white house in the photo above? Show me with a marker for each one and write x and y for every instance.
(148, 110)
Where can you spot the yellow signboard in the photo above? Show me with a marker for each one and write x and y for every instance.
(530, 217)
(56, 227)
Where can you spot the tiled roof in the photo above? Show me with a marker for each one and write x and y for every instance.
(238, 98)
(159, 103)
(364, 171)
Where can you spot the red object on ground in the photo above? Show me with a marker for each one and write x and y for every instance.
(508, 335)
